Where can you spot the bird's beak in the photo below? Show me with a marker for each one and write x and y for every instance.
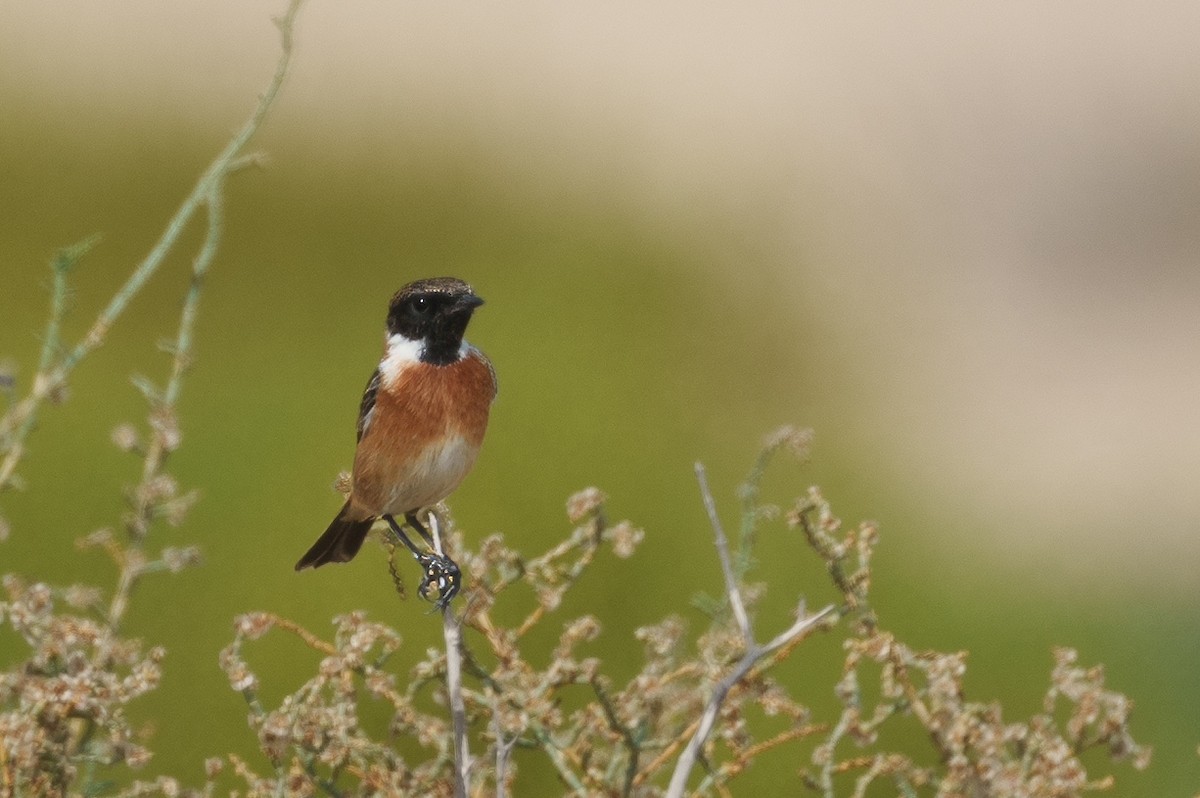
(469, 302)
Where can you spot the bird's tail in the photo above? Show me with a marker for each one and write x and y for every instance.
(339, 543)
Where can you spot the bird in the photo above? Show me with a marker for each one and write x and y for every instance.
(421, 423)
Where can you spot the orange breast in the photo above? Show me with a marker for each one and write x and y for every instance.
(424, 435)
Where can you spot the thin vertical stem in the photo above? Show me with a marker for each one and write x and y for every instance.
(732, 591)
(452, 633)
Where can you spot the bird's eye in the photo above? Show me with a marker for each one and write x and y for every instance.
(421, 305)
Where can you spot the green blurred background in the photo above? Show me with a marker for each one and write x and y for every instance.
(960, 244)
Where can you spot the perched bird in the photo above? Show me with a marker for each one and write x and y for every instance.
(420, 426)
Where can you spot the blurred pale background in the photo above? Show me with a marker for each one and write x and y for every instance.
(961, 243)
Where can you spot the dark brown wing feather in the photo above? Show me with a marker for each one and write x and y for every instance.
(339, 543)
(344, 537)
(368, 404)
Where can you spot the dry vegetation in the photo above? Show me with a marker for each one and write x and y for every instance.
(688, 722)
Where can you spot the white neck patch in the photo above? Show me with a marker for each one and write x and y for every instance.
(404, 352)
(401, 353)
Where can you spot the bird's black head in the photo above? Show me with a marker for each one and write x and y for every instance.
(435, 312)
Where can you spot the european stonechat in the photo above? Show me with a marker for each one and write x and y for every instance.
(420, 426)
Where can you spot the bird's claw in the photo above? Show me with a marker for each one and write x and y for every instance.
(441, 573)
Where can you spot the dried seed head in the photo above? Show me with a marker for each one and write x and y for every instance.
(584, 503)
(625, 538)
(797, 440)
(125, 438)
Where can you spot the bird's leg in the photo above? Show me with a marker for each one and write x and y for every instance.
(398, 531)
(440, 571)
(416, 524)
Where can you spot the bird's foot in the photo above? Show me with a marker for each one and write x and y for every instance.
(441, 574)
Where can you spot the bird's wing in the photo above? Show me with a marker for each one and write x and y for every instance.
(367, 408)
(491, 369)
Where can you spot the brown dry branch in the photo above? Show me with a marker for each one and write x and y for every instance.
(62, 724)
(690, 702)
(611, 745)
(62, 710)
(978, 754)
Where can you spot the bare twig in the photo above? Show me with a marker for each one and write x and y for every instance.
(504, 747)
(308, 638)
(803, 626)
(452, 633)
(632, 746)
(165, 437)
(731, 586)
(17, 423)
(585, 538)
(747, 756)
(52, 376)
